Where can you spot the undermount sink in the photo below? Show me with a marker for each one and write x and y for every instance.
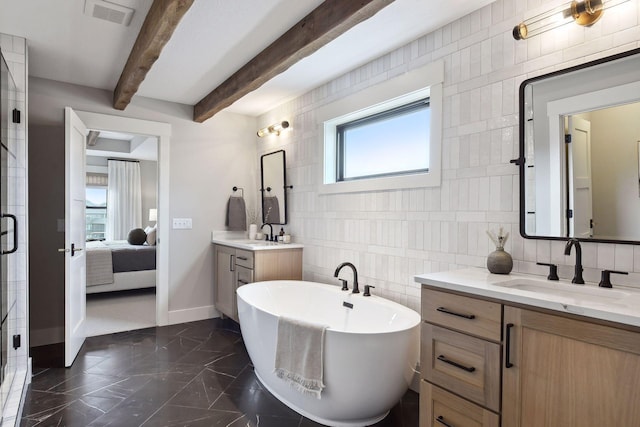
(562, 289)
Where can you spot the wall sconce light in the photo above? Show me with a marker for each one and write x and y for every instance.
(273, 129)
(582, 12)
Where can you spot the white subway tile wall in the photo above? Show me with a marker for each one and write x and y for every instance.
(392, 235)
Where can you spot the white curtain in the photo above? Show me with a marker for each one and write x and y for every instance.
(124, 200)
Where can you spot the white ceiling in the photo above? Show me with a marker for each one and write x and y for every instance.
(119, 145)
(213, 40)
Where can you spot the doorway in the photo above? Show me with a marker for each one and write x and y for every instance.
(121, 230)
(161, 131)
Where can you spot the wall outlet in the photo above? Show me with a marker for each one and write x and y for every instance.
(182, 224)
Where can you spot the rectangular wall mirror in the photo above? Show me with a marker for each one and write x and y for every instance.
(274, 187)
(579, 160)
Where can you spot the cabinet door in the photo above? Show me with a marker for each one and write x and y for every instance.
(281, 264)
(225, 285)
(565, 372)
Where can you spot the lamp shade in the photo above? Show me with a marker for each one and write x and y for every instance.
(153, 214)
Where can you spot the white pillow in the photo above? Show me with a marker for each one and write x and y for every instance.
(147, 229)
(151, 237)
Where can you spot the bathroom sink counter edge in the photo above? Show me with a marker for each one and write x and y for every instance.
(620, 305)
(254, 245)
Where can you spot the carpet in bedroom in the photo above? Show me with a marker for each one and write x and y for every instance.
(122, 311)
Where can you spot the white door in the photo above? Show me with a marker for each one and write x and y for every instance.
(74, 240)
(580, 189)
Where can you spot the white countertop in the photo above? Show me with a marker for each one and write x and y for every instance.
(619, 304)
(240, 241)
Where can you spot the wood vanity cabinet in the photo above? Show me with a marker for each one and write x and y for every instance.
(568, 372)
(225, 280)
(460, 361)
(554, 370)
(234, 267)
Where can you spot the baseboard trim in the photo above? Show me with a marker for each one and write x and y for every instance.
(193, 314)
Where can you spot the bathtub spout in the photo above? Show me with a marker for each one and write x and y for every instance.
(355, 275)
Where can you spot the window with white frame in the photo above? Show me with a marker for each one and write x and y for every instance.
(392, 142)
(387, 136)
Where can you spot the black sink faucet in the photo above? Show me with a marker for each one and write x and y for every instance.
(270, 237)
(577, 277)
(355, 275)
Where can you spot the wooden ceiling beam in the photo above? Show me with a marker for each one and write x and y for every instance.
(158, 27)
(325, 23)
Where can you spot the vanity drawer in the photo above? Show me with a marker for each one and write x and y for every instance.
(465, 365)
(244, 258)
(439, 408)
(244, 275)
(468, 315)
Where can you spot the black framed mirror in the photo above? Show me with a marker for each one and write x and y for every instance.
(579, 158)
(273, 187)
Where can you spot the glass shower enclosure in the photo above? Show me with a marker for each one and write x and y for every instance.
(9, 116)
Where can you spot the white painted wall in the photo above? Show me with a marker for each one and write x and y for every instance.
(392, 235)
(148, 189)
(206, 161)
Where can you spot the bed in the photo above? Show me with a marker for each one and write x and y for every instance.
(118, 265)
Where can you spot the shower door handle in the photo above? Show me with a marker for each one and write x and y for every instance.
(15, 233)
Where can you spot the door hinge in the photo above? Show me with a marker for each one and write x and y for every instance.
(569, 213)
(16, 342)
(567, 138)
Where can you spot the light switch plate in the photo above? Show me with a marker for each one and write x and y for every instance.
(182, 224)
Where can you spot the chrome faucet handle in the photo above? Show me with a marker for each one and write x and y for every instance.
(344, 284)
(367, 293)
(605, 278)
(553, 270)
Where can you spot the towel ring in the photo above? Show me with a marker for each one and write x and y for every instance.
(241, 190)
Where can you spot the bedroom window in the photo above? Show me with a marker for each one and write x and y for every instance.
(96, 212)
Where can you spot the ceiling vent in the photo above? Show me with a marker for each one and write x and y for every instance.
(108, 11)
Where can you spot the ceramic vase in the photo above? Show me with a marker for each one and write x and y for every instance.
(499, 261)
(253, 230)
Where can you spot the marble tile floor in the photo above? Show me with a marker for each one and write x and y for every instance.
(192, 374)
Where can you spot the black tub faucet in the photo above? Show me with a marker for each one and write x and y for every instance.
(577, 277)
(355, 275)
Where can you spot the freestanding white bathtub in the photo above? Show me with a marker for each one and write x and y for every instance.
(371, 350)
